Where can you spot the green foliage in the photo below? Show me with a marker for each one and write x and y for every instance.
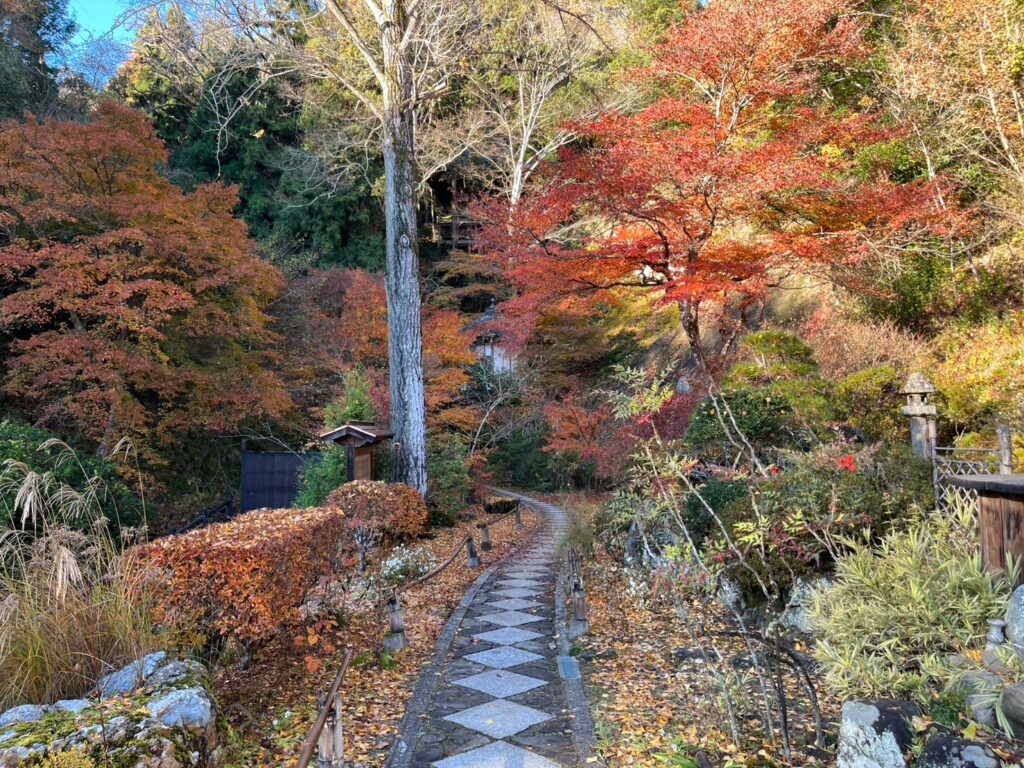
(356, 405)
(450, 486)
(980, 375)
(320, 475)
(867, 400)
(781, 353)
(801, 515)
(717, 494)
(520, 458)
(292, 206)
(896, 610)
(34, 448)
(761, 414)
(31, 32)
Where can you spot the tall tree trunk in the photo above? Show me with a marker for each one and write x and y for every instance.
(408, 407)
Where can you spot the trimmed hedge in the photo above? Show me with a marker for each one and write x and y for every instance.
(395, 510)
(246, 577)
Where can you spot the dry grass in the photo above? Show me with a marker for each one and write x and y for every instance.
(71, 607)
(843, 345)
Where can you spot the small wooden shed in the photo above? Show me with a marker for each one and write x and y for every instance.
(360, 438)
(1000, 517)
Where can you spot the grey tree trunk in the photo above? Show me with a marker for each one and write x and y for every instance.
(408, 406)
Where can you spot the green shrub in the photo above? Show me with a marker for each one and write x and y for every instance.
(896, 610)
(718, 494)
(23, 445)
(760, 414)
(867, 400)
(450, 486)
(320, 475)
(806, 509)
(520, 458)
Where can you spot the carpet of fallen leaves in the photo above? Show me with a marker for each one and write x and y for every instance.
(272, 704)
(654, 699)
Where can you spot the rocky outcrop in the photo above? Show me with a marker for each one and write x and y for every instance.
(153, 713)
(876, 734)
(944, 750)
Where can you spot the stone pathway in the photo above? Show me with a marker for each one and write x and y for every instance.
(500, 698)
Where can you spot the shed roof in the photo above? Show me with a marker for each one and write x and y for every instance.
(359, 432)
(1001, 485)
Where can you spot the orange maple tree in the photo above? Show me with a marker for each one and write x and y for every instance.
(738, 172)
(446, 349)
(131, 306)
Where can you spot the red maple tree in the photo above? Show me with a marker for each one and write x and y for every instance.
(131, 307)
(738, 172)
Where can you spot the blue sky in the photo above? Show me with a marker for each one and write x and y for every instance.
(97, 17)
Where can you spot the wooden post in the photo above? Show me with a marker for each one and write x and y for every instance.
(350, 462)
(331, 745)
(395, 639)
(474, 558)
(485, 538)
(1005, 450)
(579, 602)
(519, 517)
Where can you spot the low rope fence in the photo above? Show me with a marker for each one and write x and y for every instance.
(395, 639)
(485, 532)
(325, 739)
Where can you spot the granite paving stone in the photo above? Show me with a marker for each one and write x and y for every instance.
(510, 618)
(500, 700)
(498, 754)
(500, 683)
(499, 718)
(508, 635)
(503, 657)
(517, 592)
(514, 604)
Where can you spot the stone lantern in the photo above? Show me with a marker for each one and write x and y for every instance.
(921, 412)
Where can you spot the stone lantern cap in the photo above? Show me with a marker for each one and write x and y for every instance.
(917, 389)
(917, 384)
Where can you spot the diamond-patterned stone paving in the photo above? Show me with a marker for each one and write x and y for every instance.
(500, 701)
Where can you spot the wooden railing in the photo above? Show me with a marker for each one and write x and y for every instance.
(395, 639)
(327, 736)
(581, 622)
(485, 527)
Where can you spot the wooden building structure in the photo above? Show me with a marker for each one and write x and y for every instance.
(360, 438)
(1000, 518)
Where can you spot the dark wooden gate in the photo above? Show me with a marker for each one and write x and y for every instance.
(270, 479)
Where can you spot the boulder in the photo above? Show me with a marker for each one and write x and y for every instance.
(1012, 701)
(944, 750)
(176, 672)
(797, 613)
(72, 705)
(158, 714)
(875, 734)
(1015, 618)
(130, 677)
(190, 708)
(26, 713)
